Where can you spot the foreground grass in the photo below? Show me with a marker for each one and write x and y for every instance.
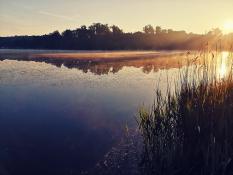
(190, 129)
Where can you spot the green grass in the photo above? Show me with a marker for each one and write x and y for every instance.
(189, 130)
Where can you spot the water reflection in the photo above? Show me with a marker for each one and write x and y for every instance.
(147, 65)
(224, 64)
(63, 119)
(147, 62)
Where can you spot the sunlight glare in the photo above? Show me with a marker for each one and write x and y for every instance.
(228, 26)
(223, 65)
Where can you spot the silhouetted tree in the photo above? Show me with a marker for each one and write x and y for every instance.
(55, 35)
(158, 29)
(67, 34)
(101, 36)
(149, 29)
(116, 30)
(53, 40)
(69, 39)
(99, 29)
(215, 31)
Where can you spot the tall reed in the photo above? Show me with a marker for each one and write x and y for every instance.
(189, 130)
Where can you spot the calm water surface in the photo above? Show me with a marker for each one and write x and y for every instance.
(64, 119)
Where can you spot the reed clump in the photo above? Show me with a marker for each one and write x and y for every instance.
(189, 130)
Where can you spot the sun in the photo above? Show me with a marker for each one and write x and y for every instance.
(228, 26)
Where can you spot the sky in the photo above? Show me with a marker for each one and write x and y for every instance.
(36, 17)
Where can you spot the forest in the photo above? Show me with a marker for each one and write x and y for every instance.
(100, 36)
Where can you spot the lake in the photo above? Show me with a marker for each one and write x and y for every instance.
(60, 116)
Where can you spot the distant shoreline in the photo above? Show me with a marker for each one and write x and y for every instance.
(104, 37)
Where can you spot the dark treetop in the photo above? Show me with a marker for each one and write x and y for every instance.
(102, 37)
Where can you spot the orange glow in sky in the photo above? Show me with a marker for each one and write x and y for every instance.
(32, 17)
(228, 26)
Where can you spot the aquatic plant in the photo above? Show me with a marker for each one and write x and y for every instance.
(189, 130)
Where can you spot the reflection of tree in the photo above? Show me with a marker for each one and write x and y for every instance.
(106, 66)
(147, 65)
(147, 68)
(96, 63)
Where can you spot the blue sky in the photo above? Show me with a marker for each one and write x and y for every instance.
(19, 17)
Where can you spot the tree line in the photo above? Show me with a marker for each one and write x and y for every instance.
(104, 37)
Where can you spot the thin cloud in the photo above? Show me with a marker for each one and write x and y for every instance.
(22, 6)
(42, 12)
(57, 16)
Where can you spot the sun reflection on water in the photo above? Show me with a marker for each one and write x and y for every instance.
(223, 65)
